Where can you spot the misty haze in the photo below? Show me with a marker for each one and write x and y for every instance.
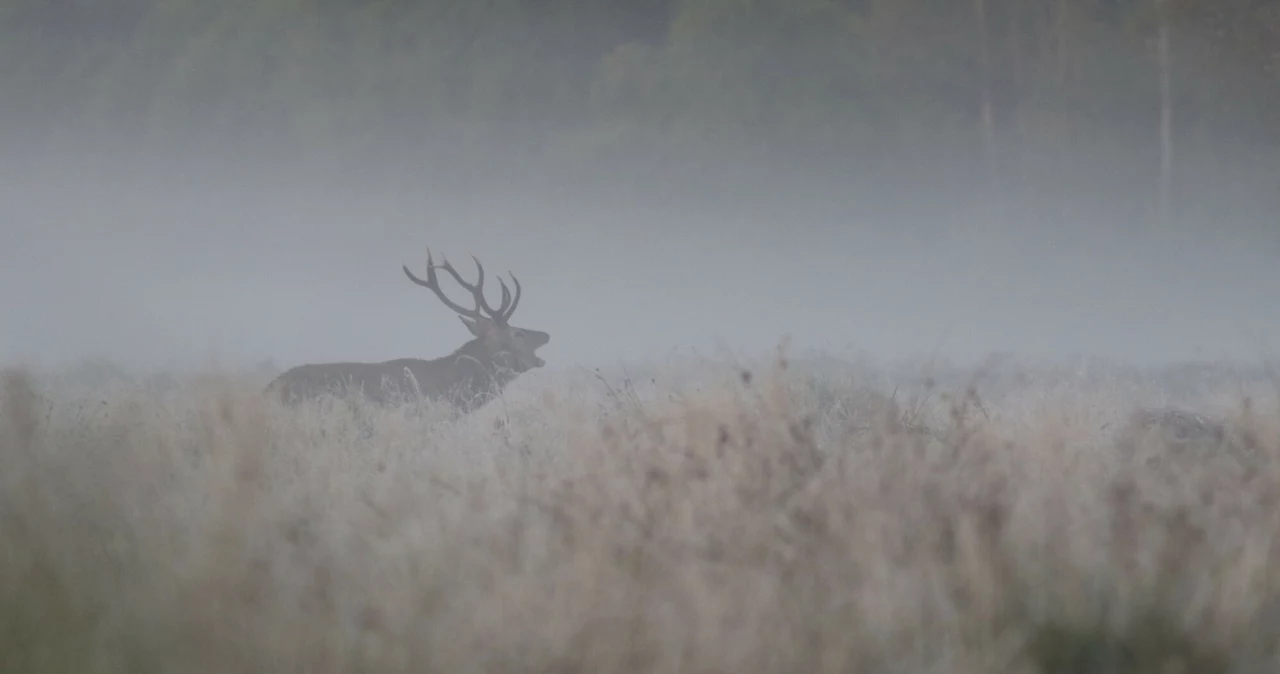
(161, 207)
(1003, 234)
(167, 273)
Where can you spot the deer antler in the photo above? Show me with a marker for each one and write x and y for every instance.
(500, 315)
(516, 301)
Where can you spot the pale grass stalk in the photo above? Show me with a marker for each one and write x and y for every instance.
(738, 525)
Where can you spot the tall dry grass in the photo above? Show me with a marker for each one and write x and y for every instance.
(764, 523)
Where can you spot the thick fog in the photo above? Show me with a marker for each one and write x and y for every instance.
(185, 185)
(168, 271)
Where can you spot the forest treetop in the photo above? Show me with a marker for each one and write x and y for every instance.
(1018, 85)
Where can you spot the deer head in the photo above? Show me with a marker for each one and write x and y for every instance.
(496, 340)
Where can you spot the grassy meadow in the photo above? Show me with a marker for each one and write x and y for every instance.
(798, 516)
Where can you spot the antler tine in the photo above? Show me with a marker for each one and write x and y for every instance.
(506, 298)
(432, 283)
(477, 290)
(479, 273)
(512, 310)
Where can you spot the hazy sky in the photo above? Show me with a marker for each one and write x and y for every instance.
(161, 276)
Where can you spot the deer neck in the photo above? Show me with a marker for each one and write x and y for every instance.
(476, 353)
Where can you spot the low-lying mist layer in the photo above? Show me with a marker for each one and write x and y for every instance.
(773, 520)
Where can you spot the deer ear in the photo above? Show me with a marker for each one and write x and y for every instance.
(477, 327)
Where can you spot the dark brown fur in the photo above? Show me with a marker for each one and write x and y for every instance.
(466, 378)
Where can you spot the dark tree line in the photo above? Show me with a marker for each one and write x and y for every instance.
(1010, 87)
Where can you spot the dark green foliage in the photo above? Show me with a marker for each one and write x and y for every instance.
(1151, 645)
(582, 85)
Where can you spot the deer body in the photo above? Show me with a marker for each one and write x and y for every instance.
(459, 378)
(467, 378)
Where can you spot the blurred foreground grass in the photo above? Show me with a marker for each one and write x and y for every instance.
(776, 522)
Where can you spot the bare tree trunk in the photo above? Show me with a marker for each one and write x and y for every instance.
(988, 114)
(1068, 126)
(1061, 41)
(1019, 124)
(1017, 70)
(1166, 111)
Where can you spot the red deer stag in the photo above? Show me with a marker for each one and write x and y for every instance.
(467, 378)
